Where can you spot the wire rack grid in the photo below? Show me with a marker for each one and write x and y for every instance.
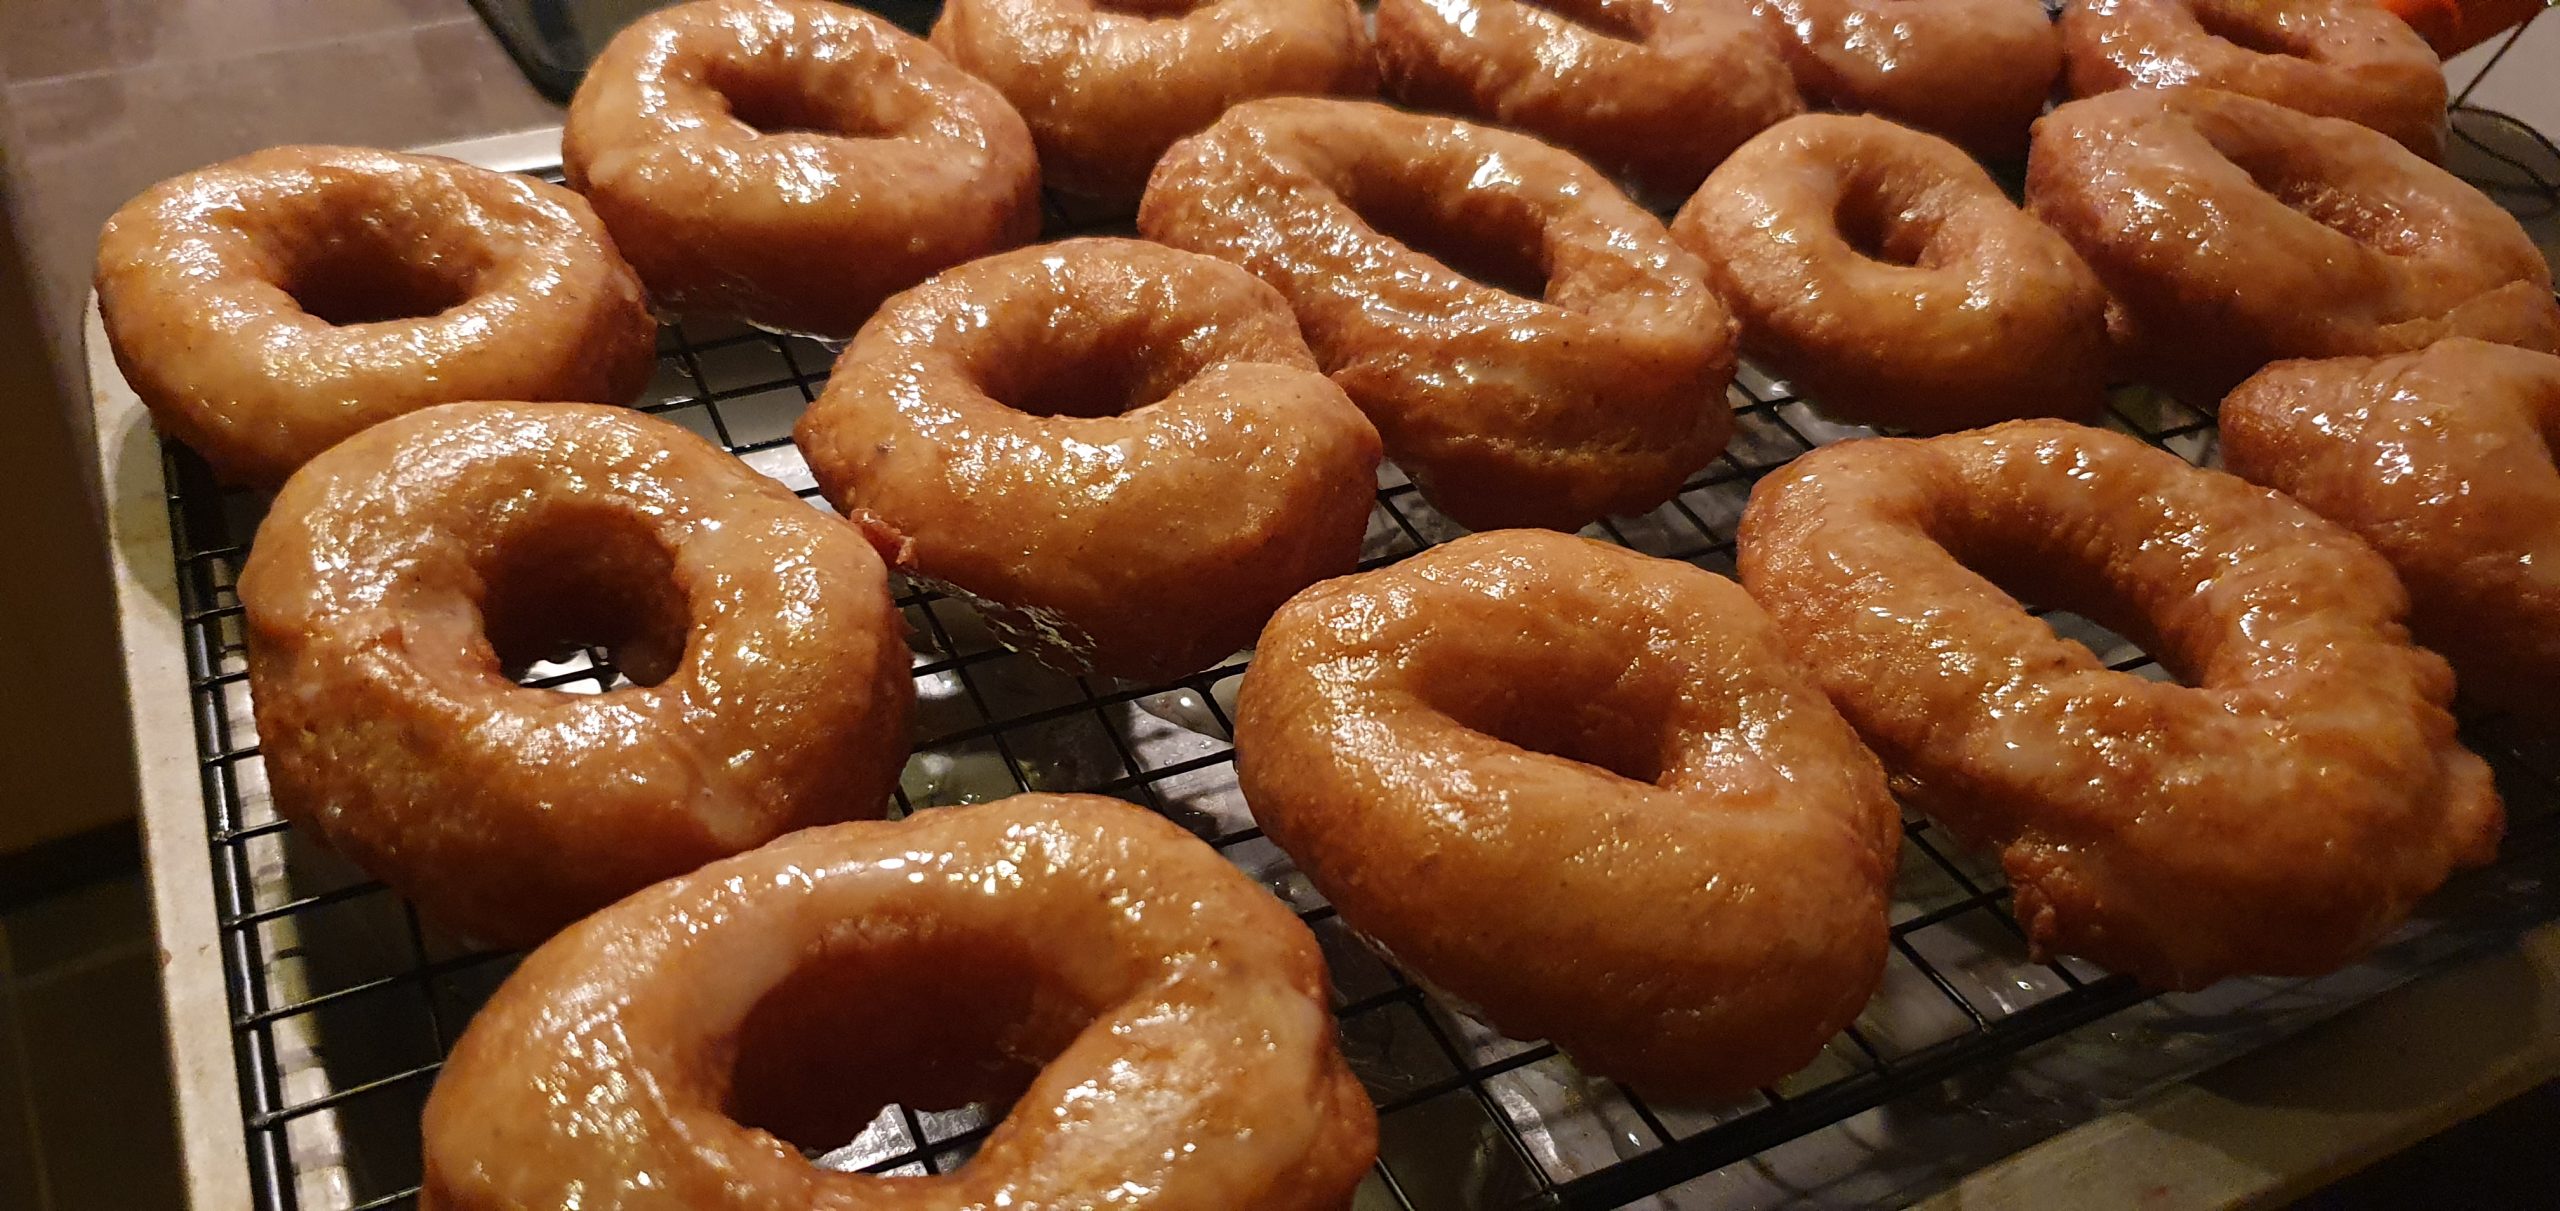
(343, 1004)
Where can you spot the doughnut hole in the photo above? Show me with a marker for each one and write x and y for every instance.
(899, 1015)
(2052, 566)
(2264, 38)
(1152, 10)
(584, 575)
(1087, 372)
(1493, 238)
(1595, 701)
(1608, 18)
(770, 101)
(2294, 176)
(1879, 224)
(367, 273)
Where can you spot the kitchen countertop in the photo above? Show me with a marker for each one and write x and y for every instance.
(101, 98)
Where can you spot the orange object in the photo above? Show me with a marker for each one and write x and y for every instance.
(2453, 26)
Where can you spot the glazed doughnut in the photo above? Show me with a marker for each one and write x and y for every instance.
(1583, 790)
(403, 572)
(1885, 275)
(2232, 232)
(2442, 460)
(1107, 85)
(1122, 453)
(794, 162)
(1590, 381)
(2336, 58)
(1163, 1019)
(1974, 72)
(269, 306)
(2276, 811)
(1655, 91)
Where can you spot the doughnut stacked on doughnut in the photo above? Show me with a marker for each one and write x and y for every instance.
(1162, 1019)
(2337, 58)
(1886, 276)
(401, 573)
(1590, 381)
(1656, 91)
(793, 162)
(2277, 813)
(1124, 453)
(269, 307)
(1581, 789)
(1108, 86)
(2232, 232)
(2442, 459)
(1974, 72)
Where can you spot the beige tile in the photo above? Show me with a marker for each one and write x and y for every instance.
(99, 1070)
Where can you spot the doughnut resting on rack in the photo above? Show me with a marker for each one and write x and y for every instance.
(1107, 86)
(1122, 453)
(1973, 72)
(794, 162)
(2347, 59)
(1532, 345)
(403, 574)
(2232, 232)
(268, 307)
(2442, 459)
(1158, 1022)
(1885, 275)
(1655, 91)
(2276, 810)
(1583, 790)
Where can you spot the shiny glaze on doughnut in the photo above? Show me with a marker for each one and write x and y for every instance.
(1656, 91)
(1598, 389)
(1107, 85)
(1124, 453)
(400, 573)
(1585, 791)
(2232, 232)
(2277, 813)
(440, 282)
(1974, 72)
(2442, 460)
(2337, 58)
(1885, 275)
(1163, 1019)
(794, 162)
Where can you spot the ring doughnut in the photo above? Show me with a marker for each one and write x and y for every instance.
(400, 574)
(269, 306)
(2277, 813)
(1655, 91)
(1885, 275)
(1107, 85)
(794, 162)
(1584, 790)
(2336, 58)
(1533, 347)
(2232, 232)
(1123, 453)
(2442, 460)
(1973, 72)
(1162, 1018)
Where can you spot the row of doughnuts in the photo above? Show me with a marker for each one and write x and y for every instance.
(1401, 734)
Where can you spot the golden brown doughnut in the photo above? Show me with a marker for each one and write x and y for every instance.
(1122, 453)
(1107, 85)
(2232, 232)
(794, 162)
(2337, 58)
(1162, 1019)
(400, 574)
(2276, 811)
(1974, 72)
(269, 306)
(1655, 91)
(2442, 460)
(1885, 275)
(1591, 382)
(1583, 790)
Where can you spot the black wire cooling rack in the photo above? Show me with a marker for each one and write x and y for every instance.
(342, 1004)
